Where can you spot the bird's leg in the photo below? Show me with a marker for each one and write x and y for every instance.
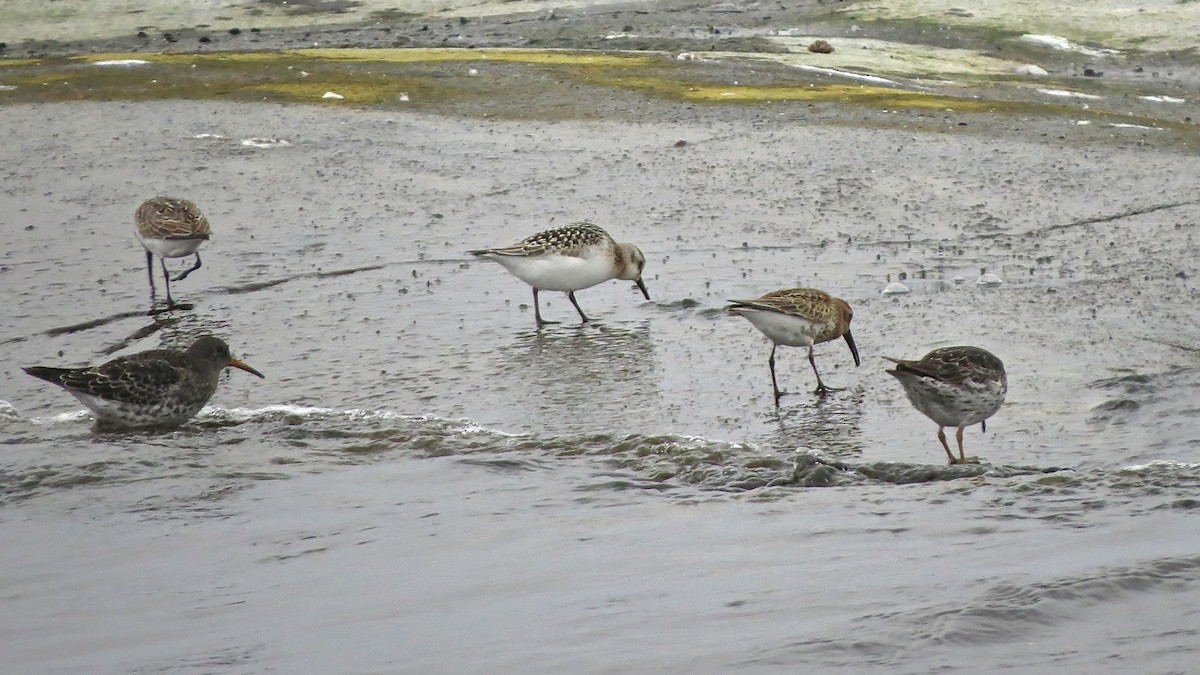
(167, 279)
(942, 438)
(961, 457)
(774, 383)
(821, 388)
(571, 295)
(537, 312)
(150, 273)
(183, 274)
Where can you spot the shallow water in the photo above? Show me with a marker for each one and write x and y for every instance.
(425, 483)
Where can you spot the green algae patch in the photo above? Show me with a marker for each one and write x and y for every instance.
(543, 57)
(513, 83)
(839, 93)
(420, 77)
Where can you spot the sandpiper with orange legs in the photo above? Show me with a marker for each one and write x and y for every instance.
(954, 387)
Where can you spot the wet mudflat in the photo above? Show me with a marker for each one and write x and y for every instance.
(427, 483)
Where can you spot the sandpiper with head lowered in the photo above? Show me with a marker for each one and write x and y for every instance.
(170, 228)
(160, 387)
(569, 259)
(798, 317)
(954, 387)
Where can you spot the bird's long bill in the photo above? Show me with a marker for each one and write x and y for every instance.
(853, 348)
(642, 285)
(238, 363)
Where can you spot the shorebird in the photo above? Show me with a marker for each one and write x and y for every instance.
(160, 387)
(799, 317)
(569, 259)
(170, 228)
(954, 387)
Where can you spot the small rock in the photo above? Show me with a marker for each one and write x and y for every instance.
(1088, 72)
(820, 47)
(334, 95)
(235, 31)
(989, 279)
(958, 279)
(895, 288)
(680, 143)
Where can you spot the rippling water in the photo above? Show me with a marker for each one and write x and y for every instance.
(425, 483)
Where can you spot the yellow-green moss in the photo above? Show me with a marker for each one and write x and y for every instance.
(510, 82)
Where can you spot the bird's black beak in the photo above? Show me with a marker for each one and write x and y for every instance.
(642, 285)
(853, 349)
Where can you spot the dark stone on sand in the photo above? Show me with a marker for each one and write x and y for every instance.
(235, 31)
(1088, 72)
(820, 47)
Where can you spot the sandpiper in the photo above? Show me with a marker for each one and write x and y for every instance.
(160, 387)
(954, 387)
(569, 259)
(799, 317)
(170, 228)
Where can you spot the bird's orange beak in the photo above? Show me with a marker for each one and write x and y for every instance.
(238, 363)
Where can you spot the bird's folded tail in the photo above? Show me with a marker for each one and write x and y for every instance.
(735, 305)
(53, 375)
(509, 251)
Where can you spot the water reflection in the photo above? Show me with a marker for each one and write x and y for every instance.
(580, 377)
(830, 426)
(176, 331)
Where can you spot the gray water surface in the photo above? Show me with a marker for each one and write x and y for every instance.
(425, 483)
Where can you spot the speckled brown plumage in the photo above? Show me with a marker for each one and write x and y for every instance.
(171, 218)
(571, 240)
(798, 317)
(150, 388)
(954, 387)
(569, 259)
(170, 227)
